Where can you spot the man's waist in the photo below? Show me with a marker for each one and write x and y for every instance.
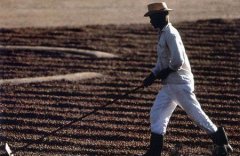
(179, 77)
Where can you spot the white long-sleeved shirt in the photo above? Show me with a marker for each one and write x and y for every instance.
(171, 53)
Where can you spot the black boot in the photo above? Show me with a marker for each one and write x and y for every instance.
(156, 144)
(221, 147)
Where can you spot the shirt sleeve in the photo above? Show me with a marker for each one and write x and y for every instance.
(177, 50)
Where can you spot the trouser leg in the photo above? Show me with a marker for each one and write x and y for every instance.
(160, 114)
(161, 111)
(185, 97)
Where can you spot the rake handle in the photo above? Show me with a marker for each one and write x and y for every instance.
(79, 119)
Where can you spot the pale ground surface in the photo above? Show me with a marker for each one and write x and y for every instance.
(91, 53)
(45, 13)
(67, 77)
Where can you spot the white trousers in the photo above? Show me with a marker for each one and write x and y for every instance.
(166, 101)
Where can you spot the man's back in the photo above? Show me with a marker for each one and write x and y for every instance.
(171, 53)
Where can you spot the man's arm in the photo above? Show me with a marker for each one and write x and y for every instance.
(177, 50)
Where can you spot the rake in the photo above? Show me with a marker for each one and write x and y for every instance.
(12, 152)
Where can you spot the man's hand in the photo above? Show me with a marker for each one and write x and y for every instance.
(163, 74)
(149, 80)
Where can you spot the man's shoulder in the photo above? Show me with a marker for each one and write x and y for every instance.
(171, 30)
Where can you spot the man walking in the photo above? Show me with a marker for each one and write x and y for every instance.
(173, 68)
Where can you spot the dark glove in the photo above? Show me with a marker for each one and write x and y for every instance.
(163, 74)
(149, 80)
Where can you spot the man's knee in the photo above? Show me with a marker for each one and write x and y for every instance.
(158, 128)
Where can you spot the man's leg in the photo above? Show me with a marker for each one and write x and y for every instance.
(184, 95)
(160, 114)
(161, 111)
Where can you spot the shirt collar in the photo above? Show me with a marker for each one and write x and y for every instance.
(164, 28)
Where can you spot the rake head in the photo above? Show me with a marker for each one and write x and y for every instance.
(8, 150)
